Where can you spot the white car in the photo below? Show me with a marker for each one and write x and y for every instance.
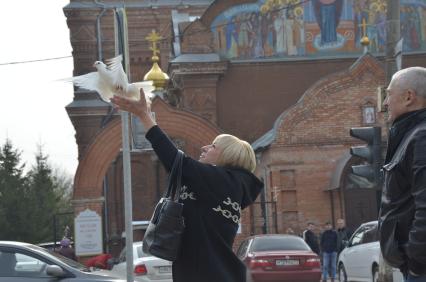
(23, 262)
(146, 268)
(359, 261)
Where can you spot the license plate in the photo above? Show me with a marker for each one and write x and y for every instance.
(284, 262)
(164, 269)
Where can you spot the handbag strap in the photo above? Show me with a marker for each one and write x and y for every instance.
(175, 178)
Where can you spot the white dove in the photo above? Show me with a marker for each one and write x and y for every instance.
(110, 79)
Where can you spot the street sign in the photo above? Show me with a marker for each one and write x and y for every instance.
(88, 233)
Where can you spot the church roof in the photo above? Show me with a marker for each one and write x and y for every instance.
(269, 137)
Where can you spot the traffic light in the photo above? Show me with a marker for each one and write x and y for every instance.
(370, 152)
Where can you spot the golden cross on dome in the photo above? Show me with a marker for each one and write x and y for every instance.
(154, 37)
(364, 26)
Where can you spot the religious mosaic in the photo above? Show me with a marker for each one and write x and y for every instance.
(313, 28)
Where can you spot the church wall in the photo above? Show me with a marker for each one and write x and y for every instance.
(312, 137)
(263, 90)
(299, 177)
(249, 98)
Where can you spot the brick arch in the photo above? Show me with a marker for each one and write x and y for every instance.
(218, 7)
(107, 144)
(204, 41)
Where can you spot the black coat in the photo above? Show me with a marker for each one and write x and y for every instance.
(213, 198)
(402, 220)
(312, 240)
(343, 234)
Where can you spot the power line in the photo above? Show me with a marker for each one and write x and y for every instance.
(34, 61)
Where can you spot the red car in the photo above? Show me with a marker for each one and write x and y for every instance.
(276, 257)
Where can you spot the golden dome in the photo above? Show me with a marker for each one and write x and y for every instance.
(365, 41)
(158, 77)
(155, 74)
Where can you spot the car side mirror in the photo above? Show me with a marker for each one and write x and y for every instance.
(55, 271)
(345, 243)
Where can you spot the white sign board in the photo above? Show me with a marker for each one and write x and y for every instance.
(88, 233)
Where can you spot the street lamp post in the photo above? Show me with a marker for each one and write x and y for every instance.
(122, 48)
(393, 34)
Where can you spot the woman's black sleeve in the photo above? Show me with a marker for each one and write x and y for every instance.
(162, 145)
(194, 173)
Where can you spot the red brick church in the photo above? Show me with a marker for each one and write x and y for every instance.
(259, 69)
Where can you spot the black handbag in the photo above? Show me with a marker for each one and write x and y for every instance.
(164, 233)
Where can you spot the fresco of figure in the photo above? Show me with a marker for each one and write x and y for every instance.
(255, 36)
(381, 27)
(327, 13)
(279, 24)
(372, 29)
(422, 18)
(244, 36)
(414, 28)
(231, 38)
(291, 46)
(299, 31)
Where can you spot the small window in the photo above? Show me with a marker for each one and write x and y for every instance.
(368, 115)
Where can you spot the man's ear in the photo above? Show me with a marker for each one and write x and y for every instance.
(410, 97)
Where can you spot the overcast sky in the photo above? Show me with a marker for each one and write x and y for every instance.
(33, 104)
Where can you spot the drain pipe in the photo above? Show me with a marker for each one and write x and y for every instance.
(98, 28)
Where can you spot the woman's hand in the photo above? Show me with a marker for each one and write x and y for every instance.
(139, 108)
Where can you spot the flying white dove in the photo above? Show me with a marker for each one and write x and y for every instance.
(110, 79)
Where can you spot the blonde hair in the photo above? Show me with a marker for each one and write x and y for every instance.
(235, 152)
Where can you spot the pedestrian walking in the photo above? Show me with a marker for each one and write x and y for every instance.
(216, 188)
(311, 238)
(402, 220)
(343, 235)
(328, 244)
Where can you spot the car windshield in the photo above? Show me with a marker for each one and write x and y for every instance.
(279, 243)
(67, 261)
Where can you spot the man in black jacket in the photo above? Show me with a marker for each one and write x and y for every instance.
(311, 238)
(328, 243)
(403, 208)
(343, 234)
